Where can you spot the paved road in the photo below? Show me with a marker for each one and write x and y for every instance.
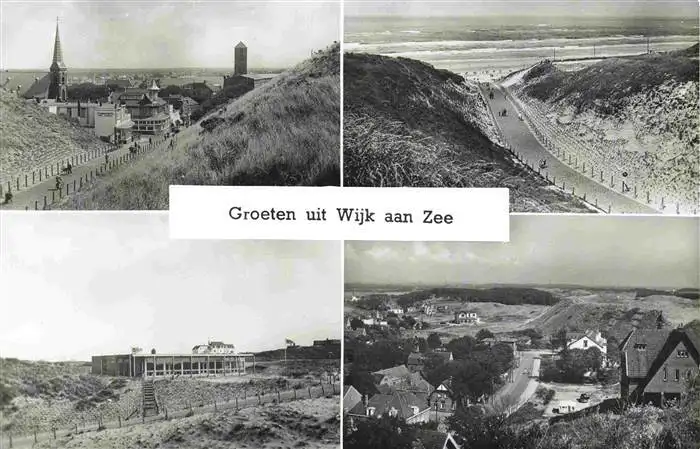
(521, 140)
(33, 196)
(519, 387)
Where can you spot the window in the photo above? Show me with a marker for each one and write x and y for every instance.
(640, 346)
(585, 343)
(682, 354)
(370, 411)
(678, 375)
(665, 374)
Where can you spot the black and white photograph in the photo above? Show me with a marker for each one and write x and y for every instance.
(105, 104)
(581, 332)
(575, 106)
(115, 336)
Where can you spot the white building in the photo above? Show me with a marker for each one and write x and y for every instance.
(214, 347)
(588, 340)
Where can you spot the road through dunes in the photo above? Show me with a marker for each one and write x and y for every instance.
(523, 142)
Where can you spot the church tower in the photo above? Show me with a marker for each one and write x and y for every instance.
(58, 73)
(240, 59)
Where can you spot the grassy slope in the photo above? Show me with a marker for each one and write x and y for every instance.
(408, 124)
(31, 138)
(636, 90)
(606, 84)
(306, 423)
(286, 132)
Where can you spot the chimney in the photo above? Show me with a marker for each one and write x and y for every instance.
(364, 400)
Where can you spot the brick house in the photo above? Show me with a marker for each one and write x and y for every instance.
(657, 364)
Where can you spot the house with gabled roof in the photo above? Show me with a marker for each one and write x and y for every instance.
(657, 364)
(443, 398)
(351, 397)
(587, 340)
(391, 376)
(402, 404)
(432, 439)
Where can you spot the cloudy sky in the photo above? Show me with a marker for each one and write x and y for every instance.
(155, 34)
(624, 8)
(585, 250)
(76, 285)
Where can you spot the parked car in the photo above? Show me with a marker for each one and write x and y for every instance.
(585, 397)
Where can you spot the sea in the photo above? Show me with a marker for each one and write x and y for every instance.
(474, 46)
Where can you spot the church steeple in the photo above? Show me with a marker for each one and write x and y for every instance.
(57, 52)
(58, 89)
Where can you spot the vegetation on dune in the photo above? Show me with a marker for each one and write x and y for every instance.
(31, 138)
(409, 124)
(286, 132)
(501, 295)
(605, 85)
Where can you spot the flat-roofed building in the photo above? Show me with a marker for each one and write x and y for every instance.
(163, 365)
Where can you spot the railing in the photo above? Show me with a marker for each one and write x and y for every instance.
(585, 161)
(48, 432)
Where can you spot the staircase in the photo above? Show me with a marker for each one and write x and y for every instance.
(150, 405)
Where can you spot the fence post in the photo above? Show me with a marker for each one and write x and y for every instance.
(678, 208)
(635, 191)
(74, 184)
(612, 182)
(648, 198)
(53, 196)
(18, 184)
(563, 185)
(39, 175)
(44, 202)
(573, 190)
(610, 208)
(323, 390)
(279, 399)
(309, 392)
(36, 204)
(663, 206)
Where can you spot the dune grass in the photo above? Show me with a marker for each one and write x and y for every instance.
(286, 132)
(31, 138)
(605, 85)
(407, 124)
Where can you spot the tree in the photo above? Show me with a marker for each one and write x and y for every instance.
(385, 432)
(434, 341)
(559, 339)
(356, 323)
(483, 334)
(362, 381)
(422, 344)
(462, 347)
(476, 430)
(471, 381)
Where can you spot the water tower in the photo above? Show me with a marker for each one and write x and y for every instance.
(240, 59)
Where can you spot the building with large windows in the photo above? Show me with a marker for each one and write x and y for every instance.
(150, 114)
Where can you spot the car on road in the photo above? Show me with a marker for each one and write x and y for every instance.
(585, 397)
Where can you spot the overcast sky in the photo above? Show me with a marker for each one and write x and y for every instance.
(114, 34)
(418, 8)
(585, 250)
(76, 285)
